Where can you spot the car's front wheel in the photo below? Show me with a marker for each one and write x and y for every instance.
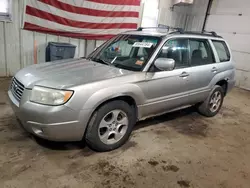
(110, 126)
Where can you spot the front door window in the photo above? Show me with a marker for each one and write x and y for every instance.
(176, 49)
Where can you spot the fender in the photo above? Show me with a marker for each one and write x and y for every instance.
(225, 75)
(105, 94)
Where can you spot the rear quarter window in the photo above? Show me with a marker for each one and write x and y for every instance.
(222, 50)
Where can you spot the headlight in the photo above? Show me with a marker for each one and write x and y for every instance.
(50, 96)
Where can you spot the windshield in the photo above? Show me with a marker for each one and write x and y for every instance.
(130, 52)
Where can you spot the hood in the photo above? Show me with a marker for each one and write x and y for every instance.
(67, 73)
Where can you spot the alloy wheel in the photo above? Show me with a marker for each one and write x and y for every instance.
(113, 127)
(215, 101)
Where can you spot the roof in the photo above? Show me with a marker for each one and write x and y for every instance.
(147, 32)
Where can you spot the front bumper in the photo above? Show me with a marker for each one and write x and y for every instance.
(56, 123)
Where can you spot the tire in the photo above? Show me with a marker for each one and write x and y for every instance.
(106, 115)
(205, 107)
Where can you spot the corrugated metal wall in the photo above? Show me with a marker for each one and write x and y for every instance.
(189, 17)
(196, 15)
(169, 15)
(17, 45)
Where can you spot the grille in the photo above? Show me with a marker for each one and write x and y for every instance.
(17, 89)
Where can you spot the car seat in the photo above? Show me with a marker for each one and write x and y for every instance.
(197, 57)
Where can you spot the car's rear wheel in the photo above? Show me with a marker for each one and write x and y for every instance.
(110, 126)
(212, 105)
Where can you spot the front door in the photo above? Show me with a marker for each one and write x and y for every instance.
(166, 90)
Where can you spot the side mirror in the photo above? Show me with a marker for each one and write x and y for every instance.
(165, 64)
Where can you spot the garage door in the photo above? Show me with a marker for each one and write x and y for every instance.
(231, 19)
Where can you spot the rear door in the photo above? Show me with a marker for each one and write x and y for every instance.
(202, 69)
(225, 61)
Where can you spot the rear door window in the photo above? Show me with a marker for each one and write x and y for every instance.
(200, 52)
(222, 50)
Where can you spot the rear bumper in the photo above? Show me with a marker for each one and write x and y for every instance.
(230, 85)
(56, 123)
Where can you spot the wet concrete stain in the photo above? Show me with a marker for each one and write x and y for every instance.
(20, 137)
(140, 160)
(192, 126)
(21, 169)
(172, 168)
(106, 169)
(73, 167)
(85, 152)
(184, 183)
(128, 145)
(142, 174)
(230, 112)
(153, 162)
(186, 121)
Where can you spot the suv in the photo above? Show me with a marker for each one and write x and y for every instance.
(133, 76)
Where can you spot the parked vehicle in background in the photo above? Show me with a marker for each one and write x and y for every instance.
(133, 76)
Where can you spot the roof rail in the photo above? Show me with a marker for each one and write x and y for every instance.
(206, 33)
(181, 31)
(211, 32)
(168, 28)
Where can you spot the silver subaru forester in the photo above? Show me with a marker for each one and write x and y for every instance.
(133, 76)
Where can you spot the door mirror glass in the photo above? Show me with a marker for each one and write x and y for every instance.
(165, 64)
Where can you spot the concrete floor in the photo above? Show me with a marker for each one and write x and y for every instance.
(180, 149)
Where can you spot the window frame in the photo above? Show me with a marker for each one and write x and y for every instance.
(7, 16)
(226, 48)
(210, 45)
(210, 48)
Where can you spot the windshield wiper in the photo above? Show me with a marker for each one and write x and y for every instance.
(100, 61)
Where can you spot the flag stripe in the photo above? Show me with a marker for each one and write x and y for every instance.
(118, 2)
(34, 27)
(78, 24)
(100, 6)
(72, 16)
(60, 27)
(89, 19)
(92, 12)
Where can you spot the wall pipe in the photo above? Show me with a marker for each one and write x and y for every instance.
(207, 13)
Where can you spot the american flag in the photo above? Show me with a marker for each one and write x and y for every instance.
(89, 19)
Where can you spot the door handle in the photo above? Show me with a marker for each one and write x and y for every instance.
(184, 74)
(214, 70)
